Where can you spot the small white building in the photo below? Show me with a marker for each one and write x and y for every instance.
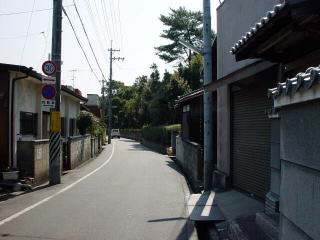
(23, 118)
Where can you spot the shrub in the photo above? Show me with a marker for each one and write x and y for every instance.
(103, 132)
(159, 134)
(174, 127)
(130, 130)
(87, 123)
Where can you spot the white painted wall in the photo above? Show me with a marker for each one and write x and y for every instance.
(27, 98)
(234, 19)
(70, 108)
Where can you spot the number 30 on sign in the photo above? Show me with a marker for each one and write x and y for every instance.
(49, 68)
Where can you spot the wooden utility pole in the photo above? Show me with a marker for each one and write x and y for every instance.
(55, 132)
(111, 50)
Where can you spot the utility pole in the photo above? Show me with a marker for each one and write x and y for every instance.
(110, 91)
(55, 132)
(207, 98)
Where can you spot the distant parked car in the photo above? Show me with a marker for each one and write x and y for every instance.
(115, 133)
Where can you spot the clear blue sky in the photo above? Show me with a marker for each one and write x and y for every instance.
(134, 27)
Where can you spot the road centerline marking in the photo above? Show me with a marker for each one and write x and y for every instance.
(14, 216)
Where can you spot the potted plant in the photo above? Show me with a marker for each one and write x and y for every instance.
(10, 174)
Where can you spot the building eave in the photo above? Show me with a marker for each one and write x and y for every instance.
(18, 68)
(279, 36)
(187, 97)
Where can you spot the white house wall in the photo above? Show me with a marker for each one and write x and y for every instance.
(234, 19)
(27, 95)
(27, 98)
(70, 108)
(74, 108)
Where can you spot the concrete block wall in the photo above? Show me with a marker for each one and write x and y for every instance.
(33, 160)
(41, 161)
(79, 150)
(96, 146)
(189, 157)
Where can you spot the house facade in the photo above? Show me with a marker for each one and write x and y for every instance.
(94, 106)
(243, 127)
(288, 36)
(24, 119)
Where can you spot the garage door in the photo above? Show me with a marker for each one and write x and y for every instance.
(251, 130)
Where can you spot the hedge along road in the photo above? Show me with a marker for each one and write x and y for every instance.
(126, 193)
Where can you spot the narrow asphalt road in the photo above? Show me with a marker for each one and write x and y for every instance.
(128, 192)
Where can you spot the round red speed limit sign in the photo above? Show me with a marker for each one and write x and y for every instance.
(49, 68)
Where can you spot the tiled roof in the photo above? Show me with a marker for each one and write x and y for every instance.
(19, 68)
(301, 81)
(194, 94)
(69, 91)
(258, 26)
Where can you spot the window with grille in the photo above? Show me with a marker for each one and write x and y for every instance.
(63, 127)
(72, 126)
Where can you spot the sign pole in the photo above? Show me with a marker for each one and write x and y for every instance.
(55, 129)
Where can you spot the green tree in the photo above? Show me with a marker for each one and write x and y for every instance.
(88, 123)
(193, 73)
(181, 24)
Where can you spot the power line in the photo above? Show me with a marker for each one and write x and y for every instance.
(94, 25)
(84, 29)
(121, 36)
(21, 36)
(46, 36)
(99, 18)
(84, 53)
(24, 12)
(114, 20)
(26, 39)
(106, 18)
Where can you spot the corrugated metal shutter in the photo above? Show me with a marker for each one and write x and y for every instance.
(251, 131)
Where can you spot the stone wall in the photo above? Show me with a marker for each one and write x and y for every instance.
(33, 160)
(300, 171)
(79, 150)
(189, 157)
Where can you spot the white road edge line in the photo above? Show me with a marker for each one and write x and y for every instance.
(8, 219)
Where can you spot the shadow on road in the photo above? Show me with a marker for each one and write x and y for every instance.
(10, 195)
(167, 219)
(126, 140)
(138, 147)
(13, 236)
(175, 166)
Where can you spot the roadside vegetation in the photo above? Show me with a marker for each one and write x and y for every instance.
(150, 100)
(87, 123)
(160, 134)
